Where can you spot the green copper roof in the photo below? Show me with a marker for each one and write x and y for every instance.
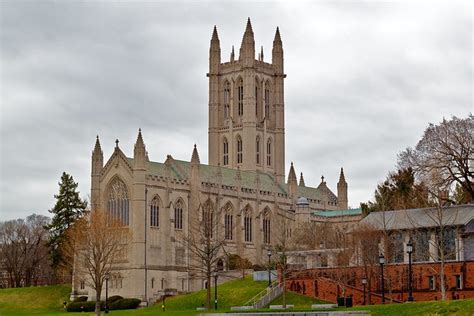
(351, 212)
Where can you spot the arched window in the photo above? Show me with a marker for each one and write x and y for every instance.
(269, 152)
(226, 100)
(178, 215)
(266, 227)
(226, 152)
(228, 223)
(155, 212)
(257, 150)
(248, 226)
(118, 204)
(152, 283)
(207, 220)
(239, 149)
(240, 98)
(267, 101)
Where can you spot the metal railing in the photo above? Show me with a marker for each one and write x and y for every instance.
(266, 296)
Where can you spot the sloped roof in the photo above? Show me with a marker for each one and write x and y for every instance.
(350, 212)
(182, 170)
(420, 217)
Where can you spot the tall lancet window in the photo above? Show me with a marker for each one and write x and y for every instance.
(248, 226)
(226, 100)
(178, 215)
(240, 98)
(225, 157)
(257, 150)
(118, 203)
(155, 212)
(266, 227)
(269, 152)
(228, 223)
(267, 102)
(239, 149)
(207, 220)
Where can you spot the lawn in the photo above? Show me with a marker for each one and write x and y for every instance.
(48, 301)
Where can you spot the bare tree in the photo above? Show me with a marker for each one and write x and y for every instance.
(24, 250)
(284, 242)
(96, 242)
(446, 150)
(204, 244)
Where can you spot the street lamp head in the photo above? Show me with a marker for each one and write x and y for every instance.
(269, 253)
(381, 259)
(409, 246)
(364, 281)
(107, 276)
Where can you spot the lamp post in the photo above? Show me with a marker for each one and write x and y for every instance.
(163, 305)
(269, 254)
(410, 283)
(364, 283)
(106, 307)
(215, 290)
(382, 262)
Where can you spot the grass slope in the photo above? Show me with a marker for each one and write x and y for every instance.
(300, 301)
(48, 301)
(29, 300)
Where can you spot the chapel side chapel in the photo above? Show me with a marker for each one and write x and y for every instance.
(244, 180)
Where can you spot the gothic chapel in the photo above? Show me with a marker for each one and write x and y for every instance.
(244, 181)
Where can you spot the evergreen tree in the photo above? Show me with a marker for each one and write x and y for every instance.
(69, 207)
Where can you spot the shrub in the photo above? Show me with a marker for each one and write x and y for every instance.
(80, 299)
(83, 306)
(114, 298)
(125, 303)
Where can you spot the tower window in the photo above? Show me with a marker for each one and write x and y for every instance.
(239, 150)
(257, 150)
(240, 98)
(227, 100)
(118, 204)
(256, 100)
(226, 152)
(155, 212)
(269, 152)
(267, 103)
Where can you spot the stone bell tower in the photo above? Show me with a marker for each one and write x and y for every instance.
(246, 107)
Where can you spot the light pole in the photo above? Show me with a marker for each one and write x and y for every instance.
(364, 283)
(269, 254)
(215, 290)
(382, 262)
(163, 305)
(106, 307)
(410, 283)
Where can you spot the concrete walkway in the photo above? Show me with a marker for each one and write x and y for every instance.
(290, 313)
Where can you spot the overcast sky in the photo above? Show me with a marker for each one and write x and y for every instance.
(364, 80)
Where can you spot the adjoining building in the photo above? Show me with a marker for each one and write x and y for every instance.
(438, 236)
(244, 181)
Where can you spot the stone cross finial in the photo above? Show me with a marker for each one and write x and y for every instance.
(116, 143)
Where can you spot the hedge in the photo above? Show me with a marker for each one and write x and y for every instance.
(83, 306)
(125, 303)
(80, 299)
(114, 298)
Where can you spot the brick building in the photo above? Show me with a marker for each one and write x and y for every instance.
(423, 227)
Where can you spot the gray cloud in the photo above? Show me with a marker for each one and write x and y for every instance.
(364, 80)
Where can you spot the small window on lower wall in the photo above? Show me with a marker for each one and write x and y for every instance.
(432, 283)
(458, 282)
(83, 285)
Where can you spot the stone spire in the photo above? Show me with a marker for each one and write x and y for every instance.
(277, 52)
(292, 182)
(97, 157)
(232, 54)
(247, 48)
(342, 199)
(195, 157)
(214, 53)
(261, 53)
(301, 180)
(139, 152)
